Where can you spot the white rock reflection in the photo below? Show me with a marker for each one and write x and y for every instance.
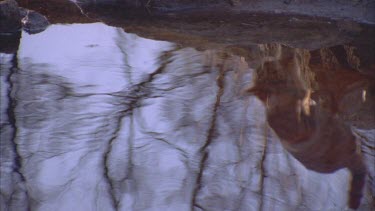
(107, 120)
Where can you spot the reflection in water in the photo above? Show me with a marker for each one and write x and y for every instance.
(101, 121)
(309, 131)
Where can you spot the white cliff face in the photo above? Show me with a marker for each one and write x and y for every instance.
(113, 121)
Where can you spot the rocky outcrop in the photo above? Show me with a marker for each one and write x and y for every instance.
(13, 18)
(33, 22)
(10, 17)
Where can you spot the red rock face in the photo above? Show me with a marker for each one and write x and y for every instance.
(304, 113)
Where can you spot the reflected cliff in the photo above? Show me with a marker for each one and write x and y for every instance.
(113, 121)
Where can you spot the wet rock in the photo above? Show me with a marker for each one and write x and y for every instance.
(33, 22)
(9, 43)
(10, 18)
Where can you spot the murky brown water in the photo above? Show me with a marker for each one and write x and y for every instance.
(114, 121)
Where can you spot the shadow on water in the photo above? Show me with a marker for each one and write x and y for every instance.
(110, 120)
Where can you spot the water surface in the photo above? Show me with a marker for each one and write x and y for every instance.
(94, 118)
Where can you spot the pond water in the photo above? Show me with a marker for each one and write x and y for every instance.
(94, 118)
